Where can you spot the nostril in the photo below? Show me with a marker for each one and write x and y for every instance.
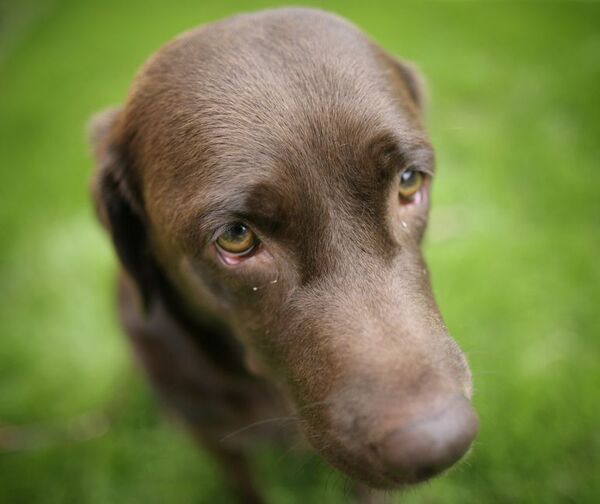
(426, 447)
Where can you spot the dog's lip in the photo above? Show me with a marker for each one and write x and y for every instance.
(399, 482)
(388, 481)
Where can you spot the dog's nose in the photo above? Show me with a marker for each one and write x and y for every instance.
(423, 448)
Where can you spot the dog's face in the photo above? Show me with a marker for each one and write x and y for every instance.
(274, 167)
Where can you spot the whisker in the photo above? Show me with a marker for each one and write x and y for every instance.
(257, 424)
(288, 450)
(291, 418)
(313, 405)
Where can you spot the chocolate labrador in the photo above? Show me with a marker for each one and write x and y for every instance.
(266, 186)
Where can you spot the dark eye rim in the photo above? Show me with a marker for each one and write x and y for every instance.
(418, 195)
(244, 253)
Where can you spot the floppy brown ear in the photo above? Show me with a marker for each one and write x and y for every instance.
(118, 201)
(414, 80)
(407, 80)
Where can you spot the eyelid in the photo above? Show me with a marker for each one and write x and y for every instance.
(420, 158)
(421, 169)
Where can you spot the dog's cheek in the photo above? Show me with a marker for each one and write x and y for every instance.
(246, 302)
(204, 286)
(258, 323)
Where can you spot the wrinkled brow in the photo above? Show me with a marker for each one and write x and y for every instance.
(376, 166)
(273, 206)
(392, 153)
(261, 205)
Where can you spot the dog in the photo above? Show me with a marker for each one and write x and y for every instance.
(266, 188)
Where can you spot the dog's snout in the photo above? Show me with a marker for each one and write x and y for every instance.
(424, 448)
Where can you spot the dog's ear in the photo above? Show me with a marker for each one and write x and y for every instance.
(415, 82)
(406, 76)
(118, 200)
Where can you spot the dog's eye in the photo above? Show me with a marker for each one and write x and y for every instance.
(410, 183)
(237, 240)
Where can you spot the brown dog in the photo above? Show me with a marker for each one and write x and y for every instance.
(266, 186)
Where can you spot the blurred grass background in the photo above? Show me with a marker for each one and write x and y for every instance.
(513, 249)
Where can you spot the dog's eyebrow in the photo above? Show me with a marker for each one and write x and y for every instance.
(257, 204)
(393, 153)
(389, 154)
(422, 157)
(268, 207)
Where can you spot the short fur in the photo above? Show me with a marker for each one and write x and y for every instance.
(293, 121)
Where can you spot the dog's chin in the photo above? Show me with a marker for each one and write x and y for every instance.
(363, 470)
(400, 483)
(389, 482)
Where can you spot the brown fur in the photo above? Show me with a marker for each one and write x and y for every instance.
(293, 121)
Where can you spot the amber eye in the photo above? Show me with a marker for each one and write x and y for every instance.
(237, 239)
(410, 183)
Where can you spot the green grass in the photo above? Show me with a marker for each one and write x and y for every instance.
(513, 249)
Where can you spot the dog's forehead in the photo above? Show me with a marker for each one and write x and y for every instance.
(255, 84)
(240, 112)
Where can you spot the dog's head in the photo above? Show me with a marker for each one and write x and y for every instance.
(274, 168)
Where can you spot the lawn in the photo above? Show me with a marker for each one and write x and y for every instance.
(513, 247)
